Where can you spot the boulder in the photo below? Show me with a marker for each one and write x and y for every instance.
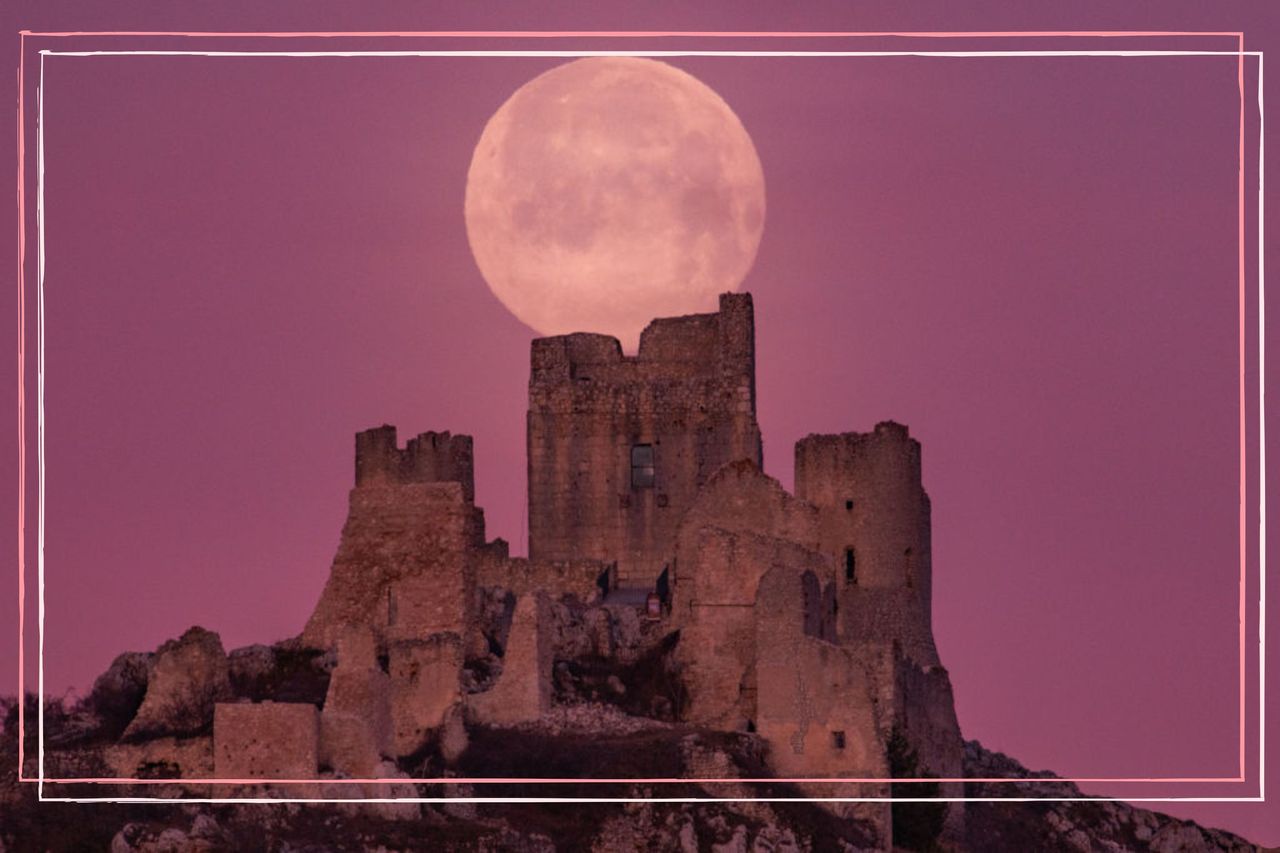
(250, 668)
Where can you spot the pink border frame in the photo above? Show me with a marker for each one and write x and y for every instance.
(22, 213)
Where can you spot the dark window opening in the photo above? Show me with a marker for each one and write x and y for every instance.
(848, 504)
(812, 591)
(850, 566)
(911, 582)
(837, 740)
(642, 466)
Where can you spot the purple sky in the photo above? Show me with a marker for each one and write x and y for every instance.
(1030, 261)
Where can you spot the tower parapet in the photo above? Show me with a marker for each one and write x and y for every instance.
(431, 457)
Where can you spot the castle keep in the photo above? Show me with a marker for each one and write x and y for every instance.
(654, 536)
(620, 446)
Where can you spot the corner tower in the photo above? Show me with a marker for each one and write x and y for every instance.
(618, 445)
(874, 520)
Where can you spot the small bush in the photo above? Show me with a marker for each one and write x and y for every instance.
(916, 826)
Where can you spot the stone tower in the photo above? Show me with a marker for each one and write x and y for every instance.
(874, 520)
(404, 563)
(618, 445)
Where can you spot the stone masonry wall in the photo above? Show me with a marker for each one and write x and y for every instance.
(355, 724)
(402, 566)
(270, 740)
(426, 684)
(432, 457)
(815, 707)
(717, 574)
(579, 578)
(742, 524)
(924, 708)
(688, 394)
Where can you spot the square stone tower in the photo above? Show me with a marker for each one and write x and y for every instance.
(618, 445)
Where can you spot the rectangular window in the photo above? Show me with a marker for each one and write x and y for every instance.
(850, 567)
(837, 740)
(642, 466)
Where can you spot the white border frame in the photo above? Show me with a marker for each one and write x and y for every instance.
(567, 54)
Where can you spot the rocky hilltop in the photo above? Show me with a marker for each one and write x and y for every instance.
(588, 738)
(754, 668)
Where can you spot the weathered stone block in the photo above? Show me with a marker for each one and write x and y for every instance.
(270, 740)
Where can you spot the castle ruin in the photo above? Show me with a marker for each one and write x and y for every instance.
(804, 618)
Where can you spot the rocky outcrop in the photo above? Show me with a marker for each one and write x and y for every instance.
(187, 677)
(119, 691)
(1101, 825)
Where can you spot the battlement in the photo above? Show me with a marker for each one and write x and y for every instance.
(672, 349)
(432, 457)
(887, 437)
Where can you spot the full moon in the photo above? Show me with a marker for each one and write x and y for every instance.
(609, 191)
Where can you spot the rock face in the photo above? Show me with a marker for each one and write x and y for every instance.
(118, 692)
(188, 676)
(1071, 826)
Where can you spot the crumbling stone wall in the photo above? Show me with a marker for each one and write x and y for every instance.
(185, 678)
(810, 691)
(924, 710)
(815, 706)
(426, 683)
(586, 580)
(355, 724)
(523, 690)
(269, 740)
(688, 395)
(742, 524)
(717, 575)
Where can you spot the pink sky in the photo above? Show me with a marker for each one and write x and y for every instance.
(1032, 262)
